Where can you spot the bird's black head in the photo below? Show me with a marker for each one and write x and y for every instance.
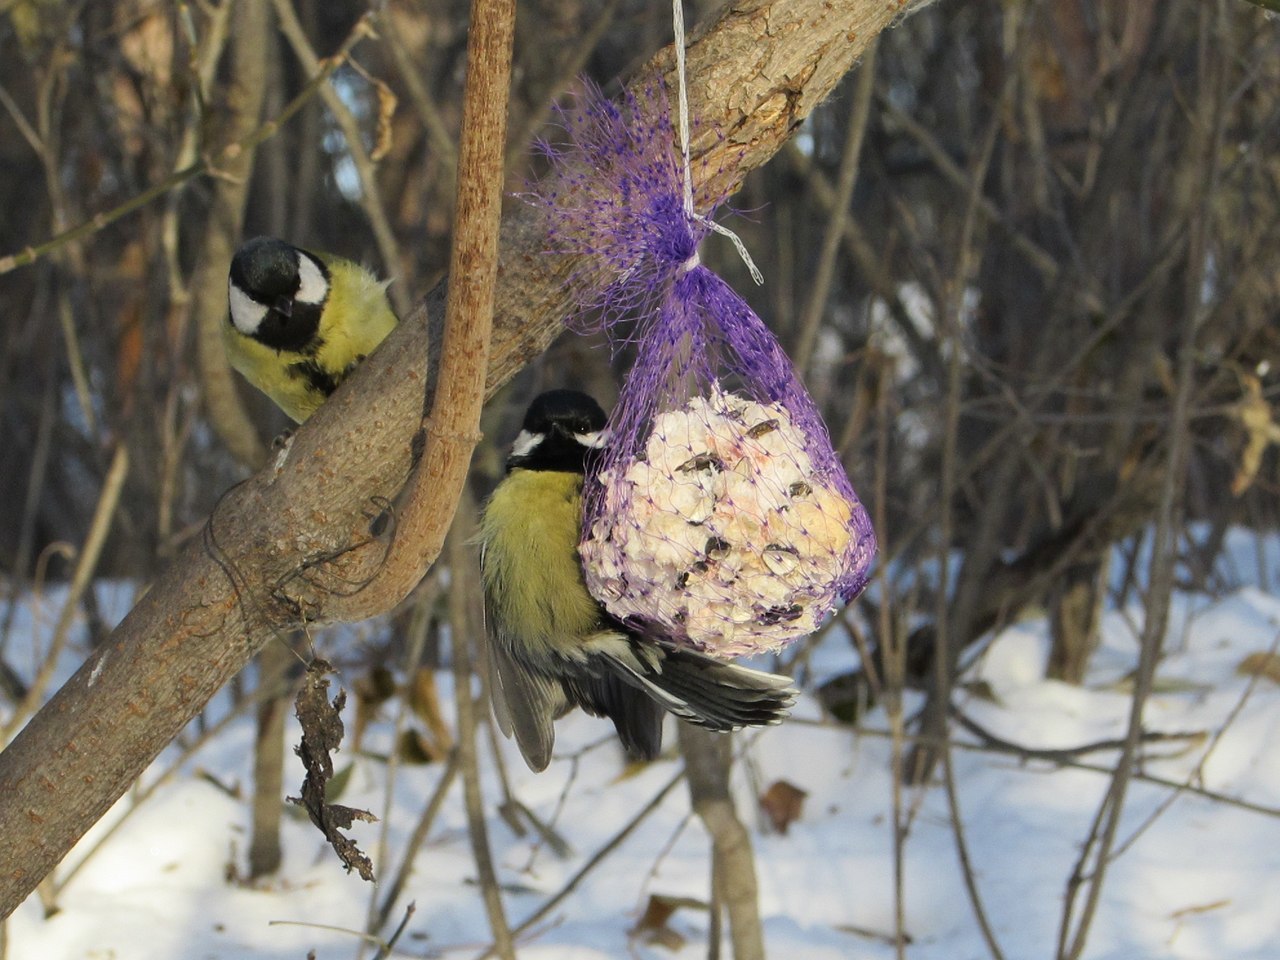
(560, 429)
(277, 293)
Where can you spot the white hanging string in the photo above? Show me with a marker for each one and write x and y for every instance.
(677, 19)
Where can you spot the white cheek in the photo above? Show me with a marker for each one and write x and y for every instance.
(525, 443)
(246, 313)
(312, 286)
(594, 440)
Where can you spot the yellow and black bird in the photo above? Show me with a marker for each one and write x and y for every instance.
(551, 645)
(300, 322)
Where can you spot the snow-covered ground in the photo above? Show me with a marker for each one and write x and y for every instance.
(1195, 877)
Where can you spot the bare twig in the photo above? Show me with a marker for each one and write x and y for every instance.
(392, 891)
(202, 65)
(36, 472)
(422, 99)
(993, 744)
(592, 862)
(370, 194)
(81, 578)
(1197, 774)
(893, 663)
(207, 291)
(200, 167)
(846, 179)
(948, 611)
(1036, 255)
(570, 65)
(464, 634)
(419, 625)
(1091, 866)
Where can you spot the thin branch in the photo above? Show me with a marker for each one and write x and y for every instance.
(464, 634)
(1096, 850)
(846, 180)
(207, 165)
(612, 844)
(1057, 758)
(949, 611)
(423, 101)
(1036, 255)
(392, 891)
(35, 490)
(22, 123)
(1197, 774)
(245, 94)
(571, 65)
(370, 194)
(86, 562)
(893, 664)
(419, 626)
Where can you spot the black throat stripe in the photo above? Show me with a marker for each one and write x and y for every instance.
(317, 377)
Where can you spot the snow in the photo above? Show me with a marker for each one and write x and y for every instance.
(1194, 877)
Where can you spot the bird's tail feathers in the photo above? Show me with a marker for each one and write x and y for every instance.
(695, 687)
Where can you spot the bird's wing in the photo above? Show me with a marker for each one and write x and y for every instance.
(634, 709)
(524, 701)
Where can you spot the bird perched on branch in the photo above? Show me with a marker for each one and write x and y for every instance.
(300, 322)
(551, 645)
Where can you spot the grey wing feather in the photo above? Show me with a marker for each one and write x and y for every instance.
(524, 702)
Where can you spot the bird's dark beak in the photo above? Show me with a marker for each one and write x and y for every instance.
(284, 306)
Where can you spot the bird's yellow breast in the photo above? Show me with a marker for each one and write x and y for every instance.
(532, 571)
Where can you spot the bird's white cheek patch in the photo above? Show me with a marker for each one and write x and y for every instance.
(246, 313)
(312, 286)
(525, 443)
(594, 440)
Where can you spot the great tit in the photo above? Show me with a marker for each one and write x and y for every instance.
(551, 645)
(300, 322)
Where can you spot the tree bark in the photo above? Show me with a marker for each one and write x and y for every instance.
(707, 758)
(226, 412)
(1075, 614)
(296, 542)
(275, 688)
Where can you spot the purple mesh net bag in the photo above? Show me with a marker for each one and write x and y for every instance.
(718, 515)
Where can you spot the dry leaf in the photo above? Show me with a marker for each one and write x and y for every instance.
(783, 802)
(1265, 665)
(424, 697)
(416, 747)
(1254, 414)
(387, 103)
(321, 735)
(372, 690)
(653, 926)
